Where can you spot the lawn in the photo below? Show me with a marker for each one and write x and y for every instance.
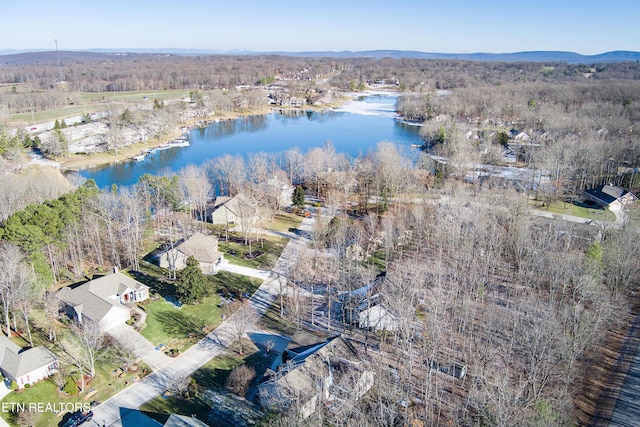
(46, 391)
(181, 327)
(210, 376)
(91, 102)
(264, 254)
(566, 208)
(634, 213)
(284, 222)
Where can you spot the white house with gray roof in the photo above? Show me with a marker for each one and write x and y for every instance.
(25, 366)
(103, 300)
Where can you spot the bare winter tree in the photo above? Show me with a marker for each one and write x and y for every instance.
(239, 379)
(228, 173)
(178, 385)
(195, 189)
(241, 317)
(16, 277)
(87, 342)
(51, 305)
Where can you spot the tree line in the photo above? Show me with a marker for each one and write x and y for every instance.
(524, 303)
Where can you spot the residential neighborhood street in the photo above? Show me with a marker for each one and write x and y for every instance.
(112, 411)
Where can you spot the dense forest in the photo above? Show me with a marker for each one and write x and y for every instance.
(526, 303)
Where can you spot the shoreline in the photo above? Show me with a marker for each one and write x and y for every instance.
(77, 162)
(84, 161)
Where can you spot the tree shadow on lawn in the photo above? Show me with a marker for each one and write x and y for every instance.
(166, 289)
(215, 376)
(181, 325)
(260, 362)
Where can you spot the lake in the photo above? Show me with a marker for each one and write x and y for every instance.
(353, 129)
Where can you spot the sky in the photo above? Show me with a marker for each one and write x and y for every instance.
(452, 26)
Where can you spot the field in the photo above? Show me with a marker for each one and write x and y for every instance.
(93, 102)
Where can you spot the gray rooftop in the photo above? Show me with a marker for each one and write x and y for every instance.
(17, 362)
(97, 297)
(201, 247)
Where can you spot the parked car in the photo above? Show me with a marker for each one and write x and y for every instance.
(78, 418)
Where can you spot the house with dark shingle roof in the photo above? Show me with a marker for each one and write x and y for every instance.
(103, 300)
(202, 247)
(609, 196)
(324, 373)
(25, 366)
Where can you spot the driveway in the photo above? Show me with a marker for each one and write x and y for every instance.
(245, 271)
(214, 344)
(140, 346)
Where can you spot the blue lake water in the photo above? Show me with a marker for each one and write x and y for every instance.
(353, 129)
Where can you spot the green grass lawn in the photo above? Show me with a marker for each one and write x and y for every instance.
(91, 102)
(132, 96)
(283, 221)
(634, 213)
(269, 249)
(566, 208)
(210, 376)
(182, 327)
(46, 391)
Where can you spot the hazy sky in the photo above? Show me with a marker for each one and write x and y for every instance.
(462, 26)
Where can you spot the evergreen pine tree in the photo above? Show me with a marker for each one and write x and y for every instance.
(191, 285)
(298, 197)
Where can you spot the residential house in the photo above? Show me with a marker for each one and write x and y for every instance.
(281, 191)
(237, 210)
(135, 417)
(327, 373)
(519, 136)
(176, 420)
(452, 367)
(353, 302)
(609, 196)
(377, 318)
(103, 300)
(202, 247)
(25, 366)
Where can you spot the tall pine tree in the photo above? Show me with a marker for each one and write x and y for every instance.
(191, 285)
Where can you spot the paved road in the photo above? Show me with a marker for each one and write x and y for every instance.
(627, 409)
(111, 411)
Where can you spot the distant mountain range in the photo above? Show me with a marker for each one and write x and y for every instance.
(532, 56)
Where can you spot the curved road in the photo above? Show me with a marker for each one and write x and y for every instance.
(110, 412)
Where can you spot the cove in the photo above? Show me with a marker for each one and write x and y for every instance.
(352, 129)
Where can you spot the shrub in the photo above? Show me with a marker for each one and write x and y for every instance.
(239, 379)
(70, 386)
(14, 385)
